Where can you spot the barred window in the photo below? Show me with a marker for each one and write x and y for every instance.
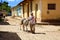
(51, 6)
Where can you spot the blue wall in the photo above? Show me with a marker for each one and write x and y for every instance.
(19, 11)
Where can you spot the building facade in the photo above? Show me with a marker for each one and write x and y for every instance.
(32, 6)
(42, 9)
(16, 11)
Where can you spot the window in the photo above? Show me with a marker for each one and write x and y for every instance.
(18, 11)
(51, 6)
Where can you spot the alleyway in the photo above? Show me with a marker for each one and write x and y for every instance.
(43, 32)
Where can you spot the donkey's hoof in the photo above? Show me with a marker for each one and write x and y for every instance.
(20, 29)
(23, 30)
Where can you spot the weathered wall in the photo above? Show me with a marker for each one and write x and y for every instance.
(14, 12)
(37, 13)
(53, 14)
(25, 10)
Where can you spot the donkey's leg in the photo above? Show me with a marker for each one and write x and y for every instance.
(23, 28)
(26, 28)
(20, 27)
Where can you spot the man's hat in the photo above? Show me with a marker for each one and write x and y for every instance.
(31, 13)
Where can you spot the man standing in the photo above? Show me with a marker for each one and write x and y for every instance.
(32, 23)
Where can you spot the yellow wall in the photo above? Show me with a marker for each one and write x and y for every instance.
(14, 12)
(29, 9)
(22, 11)
(25, 10)
(53, 14)
(42, 10)
(38, 12)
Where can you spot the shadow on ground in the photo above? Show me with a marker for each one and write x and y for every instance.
(40, 33)
(35, 32)
(4, 23)
(9, 36)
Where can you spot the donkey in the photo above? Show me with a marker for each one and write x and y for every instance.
(25, 23)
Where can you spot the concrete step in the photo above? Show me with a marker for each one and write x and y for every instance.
(48, 23)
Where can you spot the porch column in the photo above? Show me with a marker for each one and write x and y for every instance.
(23, 10)
(28, 9)
(31, 6)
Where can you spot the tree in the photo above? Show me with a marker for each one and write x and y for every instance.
(4, 6)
